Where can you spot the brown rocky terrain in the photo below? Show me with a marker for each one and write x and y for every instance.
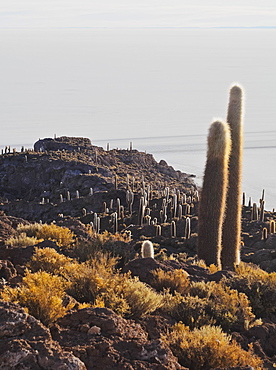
(71, 182)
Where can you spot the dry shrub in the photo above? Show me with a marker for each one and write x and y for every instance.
(176, 281)
(90, 279)
(41, 294)
(49, 260)
(63, 236)
(30, 230)
(259, 286)
(111, 243)
(35, 233)
(21, 240)
(98, 282)
(140, 297)
(213, 304)
(207, 348)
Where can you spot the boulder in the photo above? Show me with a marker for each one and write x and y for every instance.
(104, 340)
(26, 344)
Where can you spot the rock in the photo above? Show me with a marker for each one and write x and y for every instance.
(143, 267)
(235, 368)
(120, 344)
(26, 344)
(266, 335)
(271, 241)
(63, 143)
(261, 255)
(7, 270)
(20, 256)
(269, 266)
(217, 276)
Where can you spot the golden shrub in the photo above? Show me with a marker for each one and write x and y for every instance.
(259, 286)
(98, 282)
(176, 281)
(49, 260)
(141, 298)
(212, 304)
(63, 236)
(207, 348)
(21, 240)
(41, 294)
(85, 250)
(230, 309)
(31, 229)
(35, 233)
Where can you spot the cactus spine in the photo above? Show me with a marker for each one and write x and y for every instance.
(231, 234)
(213, 194)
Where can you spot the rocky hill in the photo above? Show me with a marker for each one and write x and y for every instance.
(61, 175)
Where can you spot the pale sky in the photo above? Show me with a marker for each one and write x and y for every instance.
(138, 13)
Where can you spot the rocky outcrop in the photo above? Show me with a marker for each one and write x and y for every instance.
(104, 340)
(144, 267)
(26, 344)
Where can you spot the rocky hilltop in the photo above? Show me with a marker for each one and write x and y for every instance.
(34, 184)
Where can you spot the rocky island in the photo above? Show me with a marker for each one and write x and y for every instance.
(78, 289)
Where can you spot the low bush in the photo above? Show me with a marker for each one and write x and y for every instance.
(115, 244)
(259, 286)
(34, 233)
(208, 348)
(49, 260)
(212, 303)
(63, 236)
(176, 281)
(41, 294)
(98, 282)
(21, 240)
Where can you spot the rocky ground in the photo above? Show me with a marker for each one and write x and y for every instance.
(73, 183)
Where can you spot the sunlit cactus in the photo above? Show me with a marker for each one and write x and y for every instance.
(147, 249)
(231, 235)
(213, 194)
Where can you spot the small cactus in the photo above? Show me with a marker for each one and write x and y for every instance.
(173, 229)
(147, 249)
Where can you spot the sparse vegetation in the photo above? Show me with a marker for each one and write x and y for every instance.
(41, 294)
(259, 286)
(212, 303)
(49, 260)
(208, 348)
(175, 281)
(35, 233)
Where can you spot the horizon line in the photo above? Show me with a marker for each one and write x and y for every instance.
(139, 27)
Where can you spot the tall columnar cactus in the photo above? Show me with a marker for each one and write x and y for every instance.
(231, 235)
(213, 194)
